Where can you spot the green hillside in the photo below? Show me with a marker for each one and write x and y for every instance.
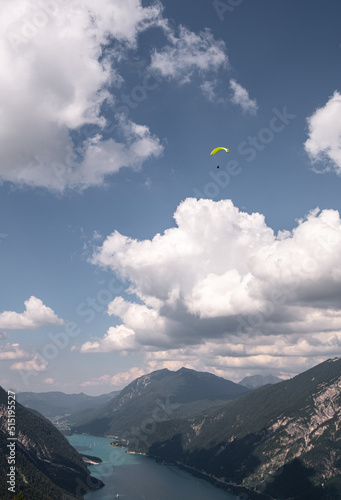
(58, 404)
(163, 394)
(47, 466)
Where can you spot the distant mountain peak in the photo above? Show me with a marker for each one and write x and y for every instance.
(331, 360)
(255, 381)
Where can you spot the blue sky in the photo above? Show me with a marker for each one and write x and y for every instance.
(123, 248)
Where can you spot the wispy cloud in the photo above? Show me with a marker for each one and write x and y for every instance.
(324, 143)
(241, 98)
(188, 54)
(208, 89)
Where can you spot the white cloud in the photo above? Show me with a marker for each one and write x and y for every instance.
(222, 278)
(118, 338)
(144, 321)
(127, 377)
(36, 364)
(189, 53)
(50, 381)
(174, 359)
(236, 357)
(36, 315)
(118, 380)
(58, 61)
(12, 351)
(106, 157)
(222, 294)
(324, 142)
(241, 98)
(211, 239)
(208, 89)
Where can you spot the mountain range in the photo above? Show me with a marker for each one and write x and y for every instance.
(155, 397)
(58, 404)
(281, 441)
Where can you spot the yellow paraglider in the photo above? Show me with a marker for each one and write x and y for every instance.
(215, 150)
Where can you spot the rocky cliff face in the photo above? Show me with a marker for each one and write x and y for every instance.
(289, 430)
(315, 430)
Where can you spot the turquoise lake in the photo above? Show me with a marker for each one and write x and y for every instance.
(136, 477)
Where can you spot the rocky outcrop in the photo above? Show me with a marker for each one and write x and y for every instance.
(294, 437)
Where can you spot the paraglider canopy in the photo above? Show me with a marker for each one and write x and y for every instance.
(215, 150)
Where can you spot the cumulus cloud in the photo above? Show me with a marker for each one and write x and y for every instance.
(189, 53)
(118, 338)
(103, 158)
(59, 62)
(139, 318)
(241, 98)
(36, 315)
(118, 380)
(62, 64)
(324, 143)
(222, 278)
(174, 359)
(36, 364)
(12, 351)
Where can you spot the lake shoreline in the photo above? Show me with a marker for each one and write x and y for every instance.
(231, 488)
(140, 470)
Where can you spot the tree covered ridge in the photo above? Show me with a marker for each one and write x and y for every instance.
(47, 466)
(265, 437)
